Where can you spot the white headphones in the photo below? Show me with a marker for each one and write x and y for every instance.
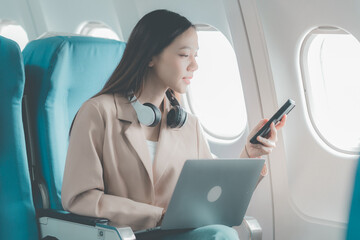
(149, 115)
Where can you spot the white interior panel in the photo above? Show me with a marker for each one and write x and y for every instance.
(313, 192)
(18, 11)
(55, 14)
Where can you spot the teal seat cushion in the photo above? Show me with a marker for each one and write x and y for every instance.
(17, 214)
(61, 73)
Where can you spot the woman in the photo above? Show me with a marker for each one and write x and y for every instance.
(124, 168)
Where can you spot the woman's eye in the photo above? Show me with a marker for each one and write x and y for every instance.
(184, 55)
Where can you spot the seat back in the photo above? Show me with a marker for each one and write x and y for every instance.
(62, 72)
(17, 213)
(353, 231)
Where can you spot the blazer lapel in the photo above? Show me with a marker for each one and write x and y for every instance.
(137, 140)
(133, 132)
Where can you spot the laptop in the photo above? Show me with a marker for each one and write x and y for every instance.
(211, 191)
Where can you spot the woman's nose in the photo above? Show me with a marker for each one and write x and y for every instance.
(193, 65)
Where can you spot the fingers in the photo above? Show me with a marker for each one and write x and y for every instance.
(272, 136)
(273, 128)
(267, 142)
(282, 122)
(257, 127)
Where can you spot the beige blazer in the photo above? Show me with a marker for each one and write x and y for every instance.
(109, 172)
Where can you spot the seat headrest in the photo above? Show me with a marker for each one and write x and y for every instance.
(73, 68)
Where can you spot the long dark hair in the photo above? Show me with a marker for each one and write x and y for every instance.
(154, 32)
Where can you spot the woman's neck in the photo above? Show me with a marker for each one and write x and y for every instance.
(152, 93)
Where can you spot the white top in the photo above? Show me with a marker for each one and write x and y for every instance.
(152, 149)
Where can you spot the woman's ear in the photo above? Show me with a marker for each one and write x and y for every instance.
(151, 63)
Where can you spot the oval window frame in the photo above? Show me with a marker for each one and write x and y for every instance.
(85, 29)
(305, 76)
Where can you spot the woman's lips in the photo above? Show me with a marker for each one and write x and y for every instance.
(187, 80)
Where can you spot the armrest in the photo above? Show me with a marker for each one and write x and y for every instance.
(71, 217)
(62, 225)
(250, 229)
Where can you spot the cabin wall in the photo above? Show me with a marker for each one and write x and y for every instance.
(312, 182)
(307, 192)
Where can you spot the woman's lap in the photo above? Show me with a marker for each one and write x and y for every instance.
(211, 232)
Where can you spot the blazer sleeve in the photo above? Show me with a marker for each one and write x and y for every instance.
(203, 146)
(83, 184)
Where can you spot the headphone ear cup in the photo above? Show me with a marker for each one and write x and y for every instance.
(157, 114)
(176, 117)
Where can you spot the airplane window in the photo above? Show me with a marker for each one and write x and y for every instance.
(331, 63)
(215, 94)
(12, 30)
(97, 29)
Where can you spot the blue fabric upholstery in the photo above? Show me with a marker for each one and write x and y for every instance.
(17, 214)
(62, 73)
(353, 232)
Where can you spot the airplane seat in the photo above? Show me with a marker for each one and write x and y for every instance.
(61, 73)
(353, 231)
(17, 212)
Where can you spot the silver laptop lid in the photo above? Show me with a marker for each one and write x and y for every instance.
(216, 191)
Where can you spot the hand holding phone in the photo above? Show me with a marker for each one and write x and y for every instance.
(264, 131)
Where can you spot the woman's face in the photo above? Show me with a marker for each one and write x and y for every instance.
(174, 66)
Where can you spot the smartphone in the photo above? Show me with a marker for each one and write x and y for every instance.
(264, 131)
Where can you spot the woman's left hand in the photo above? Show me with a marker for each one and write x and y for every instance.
(268, 144)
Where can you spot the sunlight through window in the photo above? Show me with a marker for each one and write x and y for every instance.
(97, 29)
(15, 32)
(215, 95)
